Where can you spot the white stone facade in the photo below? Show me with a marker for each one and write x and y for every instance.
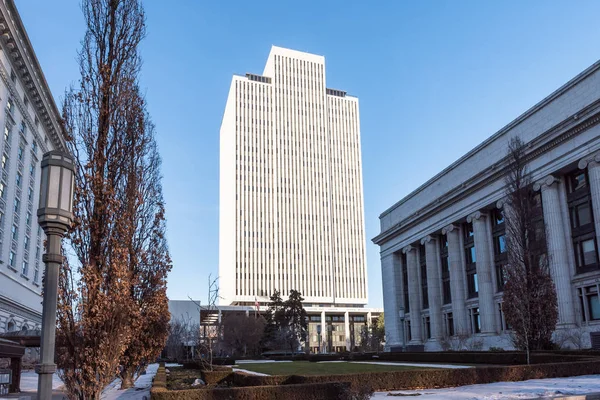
(29, 122)
(451, 229)
(291, 202)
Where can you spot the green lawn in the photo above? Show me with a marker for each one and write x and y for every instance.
(312, 368)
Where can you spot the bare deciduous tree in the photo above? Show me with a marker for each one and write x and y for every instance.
(111, 288)
(530, 303)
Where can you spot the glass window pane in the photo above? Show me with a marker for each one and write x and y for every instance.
(53, 184)
(473, 255)
(578, 182)
(594, 306)
(589, 252)
(585, 214)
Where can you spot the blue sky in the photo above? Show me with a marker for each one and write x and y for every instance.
(434, 79)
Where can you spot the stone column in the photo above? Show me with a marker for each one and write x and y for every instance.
(484, 263)
(557, 249)
(347, 330)
(592, 163)
(390, 274)
(413, 294)
(457, 280)
(434, 287)
(323, 344)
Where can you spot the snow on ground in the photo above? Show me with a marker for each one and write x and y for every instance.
(260, 361)
(448, 366)
(29, 381)
(140, 391)
(532, 389)
(249, 372)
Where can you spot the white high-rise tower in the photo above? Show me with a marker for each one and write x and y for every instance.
(291, 200)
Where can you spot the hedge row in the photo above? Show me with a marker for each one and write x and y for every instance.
(216, 377)
(307, 391)
(497, 358)
(431, 378)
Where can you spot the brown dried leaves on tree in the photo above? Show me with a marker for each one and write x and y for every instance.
(112, 307)
(530, 304)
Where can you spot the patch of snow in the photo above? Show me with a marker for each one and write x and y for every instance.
(249, 372)
(140, 390)
(261, 361)
(531, 389)
(171, 365)
(448, 366)
(198, 382)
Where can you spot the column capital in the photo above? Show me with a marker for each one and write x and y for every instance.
(447, 229)
(427, 239)
(476, 215)
(501, 203)
(545, 183)
(590, 161)
(408, 249)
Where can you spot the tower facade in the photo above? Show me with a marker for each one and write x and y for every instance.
(291, 192)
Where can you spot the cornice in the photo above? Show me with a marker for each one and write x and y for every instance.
(557, 93)
(17, 100)
(18, 309)
(19, 50)
(574, 125)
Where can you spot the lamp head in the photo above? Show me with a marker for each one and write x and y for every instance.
(56, 191)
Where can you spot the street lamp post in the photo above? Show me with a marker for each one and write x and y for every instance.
(55, 217)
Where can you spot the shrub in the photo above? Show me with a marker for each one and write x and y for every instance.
(311, 391)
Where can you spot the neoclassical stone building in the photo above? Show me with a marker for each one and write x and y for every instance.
(29, 120)
(443, 246)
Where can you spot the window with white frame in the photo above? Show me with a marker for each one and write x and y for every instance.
(14, 232)
(6, 133)
(36, 273)
(25, 268)
(12, 258)
(4, 161)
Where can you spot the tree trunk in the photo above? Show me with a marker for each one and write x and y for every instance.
(127, 378)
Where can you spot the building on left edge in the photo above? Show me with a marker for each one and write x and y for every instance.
(30, 125)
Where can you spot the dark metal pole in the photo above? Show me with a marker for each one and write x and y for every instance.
(46, 368)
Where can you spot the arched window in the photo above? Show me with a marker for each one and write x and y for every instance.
(10, 326)
(24, 327)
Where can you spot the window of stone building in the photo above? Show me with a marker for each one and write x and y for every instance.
(15, 232)
(12, 259)
(6, 133)
(449, 326)
(427, 327)
(470, 261)
(589, 302)
(405, 283)
(423, 266)
(1, 190)
(11, 326)
(499, 239)
(25, 268)
(9, 106)
(475, 320)
(36, 273)
(583, 232)
(446, 292)
(408, 331)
